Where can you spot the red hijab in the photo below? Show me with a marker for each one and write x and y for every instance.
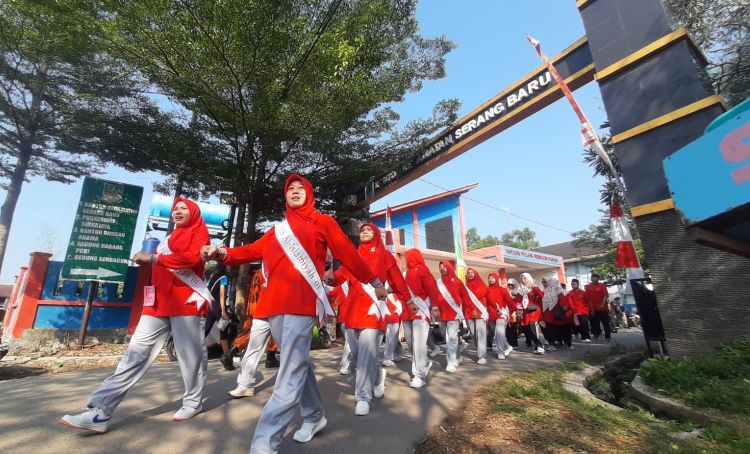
(476, 285)
(301, 219)
(374, 253)
(495, 291)
(182, 237)
(451, 272)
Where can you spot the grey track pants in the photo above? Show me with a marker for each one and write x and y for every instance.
(260, 332)
(478, 328)
(295, 383)
(416, 333)
(501, 342)
(450, 328)
(349, 355)
(145, 345)
(367, 344)
(393, 347)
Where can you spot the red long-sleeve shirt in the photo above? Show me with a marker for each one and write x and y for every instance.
(288, 291)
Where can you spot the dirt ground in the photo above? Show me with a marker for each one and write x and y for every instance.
(22, 363)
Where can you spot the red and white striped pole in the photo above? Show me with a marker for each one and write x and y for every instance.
(626, 256)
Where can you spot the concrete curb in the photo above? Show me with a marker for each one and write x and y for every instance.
(575, 382)
(658, 402)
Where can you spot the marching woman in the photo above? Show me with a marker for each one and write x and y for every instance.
(416, 317)
(476, 313)
(452, 297)
(393, 349)
(581, 309)
(532, 312)
(366, 316)
(260, 334)
(557, 314)
(175, 303)
(500, 303)
(516, 313)
(294, 253)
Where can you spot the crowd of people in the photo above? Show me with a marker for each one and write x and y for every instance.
(373, 300)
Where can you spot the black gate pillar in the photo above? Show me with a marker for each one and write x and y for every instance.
(657, 100)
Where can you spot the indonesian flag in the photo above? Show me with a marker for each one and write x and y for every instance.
(626, 256)
(389, 232)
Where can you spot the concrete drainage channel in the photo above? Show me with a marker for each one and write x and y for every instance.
(577, 382)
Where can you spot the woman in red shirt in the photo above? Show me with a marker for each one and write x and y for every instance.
(176, 304)
(366, 315)
(452, 296)
(581, 309)
(557, 314)
(294, 253)
(476, 313)
(500, 303)
(532, 312)
(417, 315)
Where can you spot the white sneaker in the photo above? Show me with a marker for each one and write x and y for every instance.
(428, 367)
(388, 363)
(552, 348)
(417, 382)
(450, 368)
(500, 356)
(93, 419)
(539, 351)
(345, 371)
(308, 430)
(240, 391)
(435, 352)
(482, 361)
(362, 408)
(186, 413)
(508, 351)
(570, 347)
(379, 390)
(586, 341)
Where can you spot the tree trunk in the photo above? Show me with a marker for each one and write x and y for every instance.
(11, 198)
(244, 272)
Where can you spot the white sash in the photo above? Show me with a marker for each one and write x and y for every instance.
(378, 307)
(478, 304)
(396, 302)
(304, 264)
(451, 302)
(421, 304)
(201, 293)
(504, 312)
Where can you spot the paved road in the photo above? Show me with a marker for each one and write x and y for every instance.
(30, 407)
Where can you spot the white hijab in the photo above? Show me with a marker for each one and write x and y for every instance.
(515, 285)
(551, 292)
(524, 289)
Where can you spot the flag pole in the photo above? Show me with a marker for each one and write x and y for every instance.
(590, 139)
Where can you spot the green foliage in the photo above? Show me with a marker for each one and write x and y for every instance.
(279, 87)
(475, 241)
(716, 381)
(721, 28)
(524, 239)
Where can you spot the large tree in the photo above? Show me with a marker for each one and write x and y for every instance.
(476, 241)
(521, 238)
(282, 86)
(722, 29)
(51, 72)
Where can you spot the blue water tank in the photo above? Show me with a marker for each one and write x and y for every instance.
(161, 206)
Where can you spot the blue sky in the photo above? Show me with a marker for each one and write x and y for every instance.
(533, 169)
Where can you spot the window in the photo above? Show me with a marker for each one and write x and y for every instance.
(440, 234)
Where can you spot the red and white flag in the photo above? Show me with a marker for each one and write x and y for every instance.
(626, 256)
(389, 232)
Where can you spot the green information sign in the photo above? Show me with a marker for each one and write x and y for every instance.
(102, 236)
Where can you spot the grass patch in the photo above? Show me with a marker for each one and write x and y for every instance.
(534, 413)
(717, 381)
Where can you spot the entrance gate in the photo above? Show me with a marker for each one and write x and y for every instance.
(652, 86)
